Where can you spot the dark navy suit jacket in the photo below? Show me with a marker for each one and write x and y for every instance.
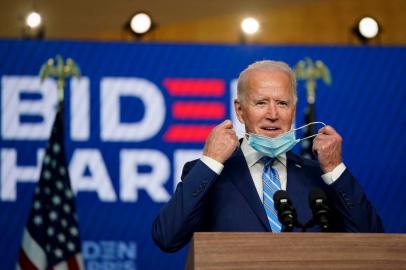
(229, 202)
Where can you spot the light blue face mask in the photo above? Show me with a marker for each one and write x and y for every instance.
(273, 147)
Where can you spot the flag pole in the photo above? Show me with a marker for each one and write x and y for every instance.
(311, 71)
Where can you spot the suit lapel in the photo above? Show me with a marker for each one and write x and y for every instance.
(240, 176)
(294, 169)
(297, 186)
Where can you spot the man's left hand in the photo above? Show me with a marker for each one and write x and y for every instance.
(327, 147)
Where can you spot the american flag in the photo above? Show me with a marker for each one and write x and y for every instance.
(51, 236)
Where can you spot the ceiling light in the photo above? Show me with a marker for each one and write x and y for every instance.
(250, 26)
(368, 27)
(140, 23)
(33, 20)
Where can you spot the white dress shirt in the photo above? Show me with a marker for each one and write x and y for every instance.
(256, 167)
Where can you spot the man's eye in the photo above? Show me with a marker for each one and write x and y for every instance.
(283, 103)
(260, 103)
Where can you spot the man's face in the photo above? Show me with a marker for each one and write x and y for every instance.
(268, 108)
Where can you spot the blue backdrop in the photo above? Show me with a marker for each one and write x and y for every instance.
(134, 119)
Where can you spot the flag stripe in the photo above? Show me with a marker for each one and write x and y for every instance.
(24, 262)
(72, 263)
(79, 261)
(61, 266)
(33, 251)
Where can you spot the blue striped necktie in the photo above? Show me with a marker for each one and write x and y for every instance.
(270, 185)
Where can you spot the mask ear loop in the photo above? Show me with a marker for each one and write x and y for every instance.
(312, 123)
(308, 137)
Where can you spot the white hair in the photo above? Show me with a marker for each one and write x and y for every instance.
(266, 65)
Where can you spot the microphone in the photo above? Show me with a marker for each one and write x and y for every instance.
(286, 213)
(321, 211)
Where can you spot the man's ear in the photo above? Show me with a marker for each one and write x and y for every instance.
(238, 110)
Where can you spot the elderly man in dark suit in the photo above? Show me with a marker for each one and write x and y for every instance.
(230, 188)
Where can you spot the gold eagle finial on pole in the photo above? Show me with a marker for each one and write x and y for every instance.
(60, 70)
(310, 72)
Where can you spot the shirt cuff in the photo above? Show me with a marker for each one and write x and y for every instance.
(213, 164)
(332, 176)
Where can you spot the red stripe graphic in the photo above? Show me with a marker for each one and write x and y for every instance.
(24, 262)
(188, 133)
(195, 87)
(198, 110)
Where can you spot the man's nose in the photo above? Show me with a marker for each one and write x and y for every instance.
(273, 113)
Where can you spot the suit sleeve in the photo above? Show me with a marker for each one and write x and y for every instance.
(356, 213)
(183, 214)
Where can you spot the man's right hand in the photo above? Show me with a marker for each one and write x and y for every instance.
(222, 142)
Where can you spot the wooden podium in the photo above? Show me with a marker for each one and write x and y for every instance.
(297, 251)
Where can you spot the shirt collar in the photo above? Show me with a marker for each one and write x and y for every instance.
(252, 156)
